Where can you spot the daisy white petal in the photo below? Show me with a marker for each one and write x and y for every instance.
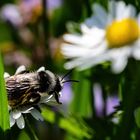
(99, 19)
(36, 114)
(76, 39)
(71, 51)
(41, 69)
(136, 50)
(20, 69)
(6, 75)
(74, 51)
(112, 11)
(118, 65)
(20, 122)
(94, 21)
(26, 109)
(12, 121)
(124, 11)
(97, 60)
(138, 19)
(87, 37)
(136, 54)
(131, 11)
(90, 32)
(16, 114)
(100, 13)
(121, 10)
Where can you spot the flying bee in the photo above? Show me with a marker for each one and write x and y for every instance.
(30, 88)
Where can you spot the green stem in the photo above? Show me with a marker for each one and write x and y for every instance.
(88, 7)
(45, 23)
(30, 131)
(130, 93)
(46, 29)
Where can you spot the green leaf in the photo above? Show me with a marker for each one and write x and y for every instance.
(4, 114)
(137, 116)
(4, 36)
(82, 104)
(23, 136)
(30, 131)
(73, 126)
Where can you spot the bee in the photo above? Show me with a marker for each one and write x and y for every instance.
(29, 88)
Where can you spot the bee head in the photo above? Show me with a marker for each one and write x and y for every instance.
(49, 82)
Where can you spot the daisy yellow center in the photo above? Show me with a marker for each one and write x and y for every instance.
(122, 32)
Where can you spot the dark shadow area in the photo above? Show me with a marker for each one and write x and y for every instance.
(5, 135)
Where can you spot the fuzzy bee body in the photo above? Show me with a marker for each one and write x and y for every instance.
(29, 88)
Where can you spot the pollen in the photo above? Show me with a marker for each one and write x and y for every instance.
(122, 32)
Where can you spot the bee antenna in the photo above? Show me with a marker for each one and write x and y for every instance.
(66, 75)
(70, 81)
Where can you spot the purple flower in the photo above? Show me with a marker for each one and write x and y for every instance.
(98, 100)
(112, 101)
(66, 94)
(11, 13)
(52, 4)
(100, 104)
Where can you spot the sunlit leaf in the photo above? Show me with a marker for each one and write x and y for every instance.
(137, 116)
(23, 136)
(75, 127)
(81, 104)
(4, 114)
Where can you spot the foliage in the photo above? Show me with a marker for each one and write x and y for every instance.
(4, 115)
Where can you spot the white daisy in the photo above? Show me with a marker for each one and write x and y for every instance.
(17, 114)
(112, 36)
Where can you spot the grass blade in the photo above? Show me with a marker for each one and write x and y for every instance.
(4, 114)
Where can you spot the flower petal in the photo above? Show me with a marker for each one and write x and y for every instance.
(90, 37)
(70, 51)
(138, 19)
(100, 13)
(12, 121)
(119, 64)
(123, 11)
(20, 122)
(16, 114)
(26, 110)
(20, 69)
(36, 114)
(6, 75)
(119, 58)
(136, 50)
(41, 69)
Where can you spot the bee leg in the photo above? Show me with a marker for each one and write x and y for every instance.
(57, 98)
